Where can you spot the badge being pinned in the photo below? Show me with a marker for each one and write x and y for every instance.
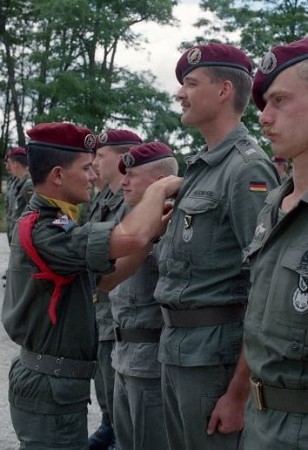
(257, 186)
(64, 222)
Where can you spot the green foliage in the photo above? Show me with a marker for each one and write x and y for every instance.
(58, 62)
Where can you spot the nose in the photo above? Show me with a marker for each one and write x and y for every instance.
(124, 181)
(180, 93)
(266, 117)
(93, 175)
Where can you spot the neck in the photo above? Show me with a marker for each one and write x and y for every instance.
(216, 131)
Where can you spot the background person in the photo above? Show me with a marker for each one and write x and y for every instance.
(138, 411)
(203, 284)
(276, 338)
(111, 145)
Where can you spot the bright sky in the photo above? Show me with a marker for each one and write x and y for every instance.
(161, 55)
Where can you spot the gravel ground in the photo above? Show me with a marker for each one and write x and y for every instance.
(9, 350)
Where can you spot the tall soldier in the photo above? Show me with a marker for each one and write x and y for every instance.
(203, 284)
(111, 145)
(48, 308)
(276, 338)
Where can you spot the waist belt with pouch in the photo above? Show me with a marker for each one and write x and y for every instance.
(202, 317)
(288, 400)
(57, 365)
(141, 335)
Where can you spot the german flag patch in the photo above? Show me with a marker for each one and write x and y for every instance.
(257, 186)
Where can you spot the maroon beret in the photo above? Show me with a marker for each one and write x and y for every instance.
(62, 136)
(14, 151)
(220, 55)
(143, 154)
(273, 63)
(118, 137)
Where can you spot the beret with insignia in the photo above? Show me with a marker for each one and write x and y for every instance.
(143, 154)
(62, 136)
(273, 63)
(113, 138)
(212, 54)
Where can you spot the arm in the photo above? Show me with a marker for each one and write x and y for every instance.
(146, 220)
(228, 414)
(124, 268)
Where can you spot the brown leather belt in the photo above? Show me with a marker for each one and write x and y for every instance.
(142, 335)
(57, 366)
(288, 400)
(203, 317)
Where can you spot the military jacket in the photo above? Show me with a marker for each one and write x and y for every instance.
(9, 205)
(133, 306)
(107, 207)
(23, 192)
(201, 261)
(276, 338)
(68, 250)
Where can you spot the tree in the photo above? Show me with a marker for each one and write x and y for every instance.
(58, 62)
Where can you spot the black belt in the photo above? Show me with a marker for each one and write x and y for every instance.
(288, 400)
(203, 317)
(142, 335)
(57, 365)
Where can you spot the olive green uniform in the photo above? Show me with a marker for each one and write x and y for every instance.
(23, 190)
(138, 409)
(107, 207)
(9, 204)
(276, 338)
(200, 267)
(50, 404)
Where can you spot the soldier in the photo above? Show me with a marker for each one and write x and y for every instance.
(203, 284)
(276, 338)
(48, 308)
(22, 189)
(11, 179)
(111, 145)
(138, 411)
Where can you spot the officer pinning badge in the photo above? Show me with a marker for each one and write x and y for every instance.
(128, 160)
(102, 138)
(188, 228)
(64, 222)
(90, 141)
(268, 63)
(194, 56)
(300, 296)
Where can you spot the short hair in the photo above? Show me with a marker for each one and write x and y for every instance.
(42, 161)
(241, 81)
(21, 159)
(302, 70)
(165, 166)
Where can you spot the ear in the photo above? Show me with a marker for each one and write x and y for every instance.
(226, 90)
(56, 175)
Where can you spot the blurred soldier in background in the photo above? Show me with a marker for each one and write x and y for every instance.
(108, 205)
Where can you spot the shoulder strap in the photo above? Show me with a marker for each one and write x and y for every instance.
(25, 229)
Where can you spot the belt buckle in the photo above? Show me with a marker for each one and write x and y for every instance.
(257, 393)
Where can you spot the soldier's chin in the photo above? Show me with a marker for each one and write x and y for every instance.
(185, 120)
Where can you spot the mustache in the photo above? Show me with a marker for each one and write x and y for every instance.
(269, 131)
